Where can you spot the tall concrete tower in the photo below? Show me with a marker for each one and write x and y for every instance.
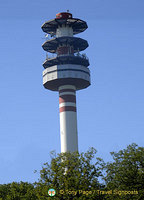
(66, 72)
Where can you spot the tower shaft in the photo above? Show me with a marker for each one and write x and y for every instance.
(68, 118)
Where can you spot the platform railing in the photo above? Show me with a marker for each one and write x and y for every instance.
(51, 56)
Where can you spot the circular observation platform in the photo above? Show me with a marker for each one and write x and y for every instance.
(77, 25)
(58, 75)
(79, 83)
(66, 59)
(77, 43)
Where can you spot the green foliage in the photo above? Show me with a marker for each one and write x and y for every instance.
(71, 172)
(75, 176)
(17, 191)
(126, 172)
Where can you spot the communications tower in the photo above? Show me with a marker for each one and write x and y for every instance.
(67, 72)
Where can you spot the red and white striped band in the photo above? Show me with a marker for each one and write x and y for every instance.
(67, 98)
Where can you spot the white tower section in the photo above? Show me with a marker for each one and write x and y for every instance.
(64, 31)
(68, 118)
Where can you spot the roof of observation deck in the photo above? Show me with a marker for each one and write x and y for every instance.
(77, 43)
(77, 25)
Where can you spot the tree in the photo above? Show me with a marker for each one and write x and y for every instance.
(17, 191)
(126, 173)
(4, 190)
(72, 175)
(76, 176)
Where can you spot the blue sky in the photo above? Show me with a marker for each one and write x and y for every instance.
(110, 111)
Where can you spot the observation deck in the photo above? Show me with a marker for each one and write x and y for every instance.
(65, 19)
(53, 44)
(66, 59)
(66, 68)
